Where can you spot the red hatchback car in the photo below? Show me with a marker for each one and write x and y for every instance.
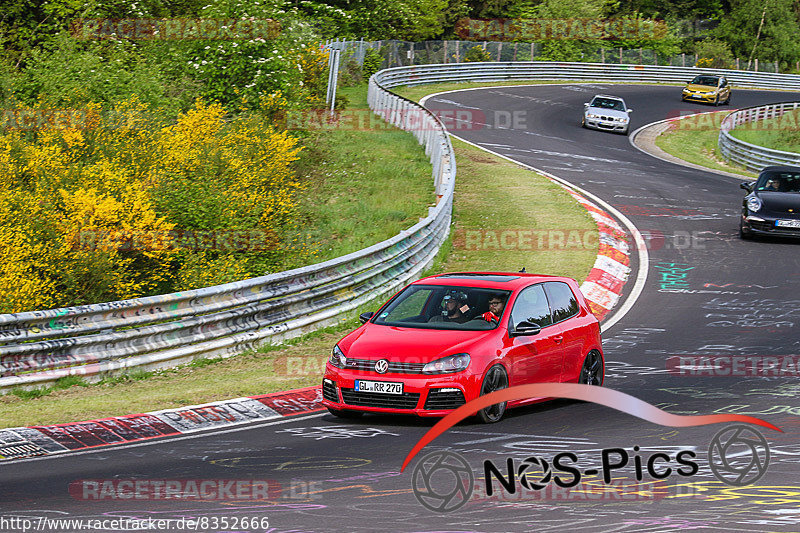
(445, 340)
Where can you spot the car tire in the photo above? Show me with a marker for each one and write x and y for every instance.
(344, 413)
(716, 101)
(593, 369)
(728, 100)
(583, 122)
(495, 379)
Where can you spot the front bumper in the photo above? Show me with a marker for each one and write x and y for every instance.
(606, 125)
(765, 225)
(422, 394)
(708, 98)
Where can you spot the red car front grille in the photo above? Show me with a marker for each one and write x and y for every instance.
(394, 367)
(407, 400)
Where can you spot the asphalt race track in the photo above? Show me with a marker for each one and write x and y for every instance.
(708, 293)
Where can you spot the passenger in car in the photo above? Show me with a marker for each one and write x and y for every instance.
(497, 303)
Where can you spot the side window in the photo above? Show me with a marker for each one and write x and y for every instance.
(562, 301)
(531, 305)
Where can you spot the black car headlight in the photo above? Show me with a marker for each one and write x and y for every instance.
(447, 365)
(754, 204)
(337, 358)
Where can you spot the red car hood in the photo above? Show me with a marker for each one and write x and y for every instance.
(410, 345)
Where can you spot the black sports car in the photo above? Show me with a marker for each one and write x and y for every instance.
(772, 205)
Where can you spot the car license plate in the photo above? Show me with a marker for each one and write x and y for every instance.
(787, 223)
(383, 387)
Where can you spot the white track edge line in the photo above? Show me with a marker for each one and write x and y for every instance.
(641, 246)
(163, 439)
(683, 163)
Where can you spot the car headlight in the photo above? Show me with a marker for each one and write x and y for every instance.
(754, 203)
(592, 115)
(337, 358)
(687, 91)
(621, 119)
(447, 365)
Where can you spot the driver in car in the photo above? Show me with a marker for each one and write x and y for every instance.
(455, 308)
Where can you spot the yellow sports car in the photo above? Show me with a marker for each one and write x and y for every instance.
(709, 89)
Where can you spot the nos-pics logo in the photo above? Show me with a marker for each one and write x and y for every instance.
(443, 481)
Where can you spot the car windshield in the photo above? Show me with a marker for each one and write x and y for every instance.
(705, 80)
(779, 182)
(608, 103)
(444, 307)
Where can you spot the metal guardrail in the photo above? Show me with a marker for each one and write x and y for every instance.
(540, 70)
(41, 346)
(751, 156)
(398, 53)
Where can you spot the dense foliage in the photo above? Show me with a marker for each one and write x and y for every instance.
(112, 140)
(117, 208)
(25, 27)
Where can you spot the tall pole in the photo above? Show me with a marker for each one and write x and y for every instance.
(758, 35)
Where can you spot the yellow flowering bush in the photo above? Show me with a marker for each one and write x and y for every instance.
(123, 207)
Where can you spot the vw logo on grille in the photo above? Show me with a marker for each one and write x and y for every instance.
(382, 366)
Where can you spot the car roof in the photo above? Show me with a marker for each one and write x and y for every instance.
(780, 168)
(607, 96)
(490, 280)
(718, 76)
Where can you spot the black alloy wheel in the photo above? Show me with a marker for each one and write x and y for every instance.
(495, 379)
(592, 371)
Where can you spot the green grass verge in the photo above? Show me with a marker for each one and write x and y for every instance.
(496, 199)
(349, 172)
(696, 141)
(782, 133)
(492, 196)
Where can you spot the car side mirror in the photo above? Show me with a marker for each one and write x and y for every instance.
(630, 110)
(526, 328)
(364, 317)
(586, 105)
(746, 186)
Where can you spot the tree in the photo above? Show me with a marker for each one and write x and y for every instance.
(778, 37)
(411, 20)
